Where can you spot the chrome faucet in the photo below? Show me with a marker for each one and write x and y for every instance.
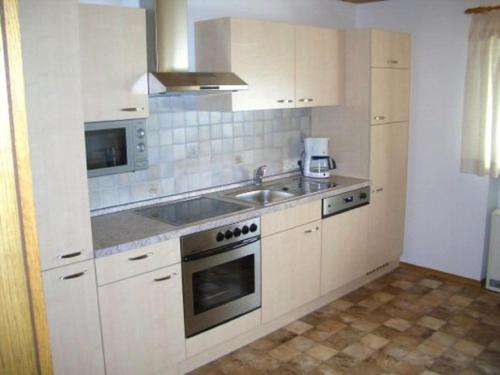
(259, 174)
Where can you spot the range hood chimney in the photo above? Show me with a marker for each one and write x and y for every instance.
(172, 63)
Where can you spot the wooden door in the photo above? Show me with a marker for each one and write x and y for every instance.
(390, 49)
(388, 171)
(390, 92)
(73, 314)
(318, 69)
(290, 269)
(343, 248)
(113, 63)
(143, 322)
(263, 55)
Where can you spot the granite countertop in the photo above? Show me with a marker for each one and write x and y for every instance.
(127, 230)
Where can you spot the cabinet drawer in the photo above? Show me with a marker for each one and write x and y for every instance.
(290, 218)
(130, 263)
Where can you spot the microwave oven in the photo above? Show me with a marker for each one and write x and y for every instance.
(115, 147)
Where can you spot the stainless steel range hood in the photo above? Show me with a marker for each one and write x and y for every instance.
(172, 70)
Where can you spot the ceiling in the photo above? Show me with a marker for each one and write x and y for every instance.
(361, 1)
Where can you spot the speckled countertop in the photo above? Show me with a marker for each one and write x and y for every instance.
(127, 230)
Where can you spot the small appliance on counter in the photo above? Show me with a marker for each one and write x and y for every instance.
(316, 161)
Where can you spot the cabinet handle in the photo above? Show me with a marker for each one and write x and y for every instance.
(379, 118)
(139, 257)
(69, 255)
(306, 100)
(379, 190)
(168, 277)
(285, 101)
(311, 230)
(392, 61)
(73, 276)
(132, 109)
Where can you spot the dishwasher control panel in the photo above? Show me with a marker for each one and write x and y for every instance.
(345, 201)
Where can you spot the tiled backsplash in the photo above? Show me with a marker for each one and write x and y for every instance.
(191, 150)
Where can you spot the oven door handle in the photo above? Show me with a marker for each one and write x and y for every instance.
(220, 250)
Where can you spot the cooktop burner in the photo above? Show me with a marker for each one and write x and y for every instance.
(190, 211)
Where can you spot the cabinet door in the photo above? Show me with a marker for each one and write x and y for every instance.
(290, 269)
(143, 322)
(73, 315)
(263, 55)
(390, 92)
(318, 70)
(390, 49)
(388, 170)
(113, 63)
(343, 248)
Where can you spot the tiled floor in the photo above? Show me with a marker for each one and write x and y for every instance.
(403, 323)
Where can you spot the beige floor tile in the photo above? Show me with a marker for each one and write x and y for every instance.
(364, 325)
(341, 304)
(298, 327)
(431, 323)
(402, 284)
(495, 345)
(460, 300)
(373, 341)
(430, 283)
(321, 352)
(331, 326)
(324, 369)
(265, 363)
(431, 348)
(443, 338)
(383, 297)
(398, 324)
(300, 343)
(370, 303)
(358, 351)
(317, 335)
(283, 353)
(395, 350)
(468, 347)
(304, 363)
(418, 358)
(263, 344)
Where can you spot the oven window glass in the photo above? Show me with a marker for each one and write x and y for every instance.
(224, 283)
(106, 148)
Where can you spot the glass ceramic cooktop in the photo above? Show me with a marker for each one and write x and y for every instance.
(190, 211)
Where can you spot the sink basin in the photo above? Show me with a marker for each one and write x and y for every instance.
(264, 196)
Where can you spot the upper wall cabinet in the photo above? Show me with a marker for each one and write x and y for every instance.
(284, 65)
(318, 67)
(113, 63)
(390, 49)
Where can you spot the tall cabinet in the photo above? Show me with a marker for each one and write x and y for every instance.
(369, 135)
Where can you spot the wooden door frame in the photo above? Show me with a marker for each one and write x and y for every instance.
(25, 342)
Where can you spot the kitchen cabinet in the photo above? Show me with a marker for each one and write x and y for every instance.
(291, 264)
(73, 316)
(143, 323)
(113, 63)
(318, 68)
(388, 172)
(285, 66)
(390, 49)
(344, 246)
(56, 138)
(390, 92)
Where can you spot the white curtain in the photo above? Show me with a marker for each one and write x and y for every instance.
(481, 125)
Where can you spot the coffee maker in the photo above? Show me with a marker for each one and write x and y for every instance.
(316, 161)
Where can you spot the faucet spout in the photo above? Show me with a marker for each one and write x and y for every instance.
(259, 174)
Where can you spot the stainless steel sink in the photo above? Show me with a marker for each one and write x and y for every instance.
(263, 196)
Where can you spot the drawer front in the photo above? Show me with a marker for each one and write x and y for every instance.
(290, 218)
(120, 266)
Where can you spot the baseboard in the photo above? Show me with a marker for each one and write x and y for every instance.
(219, 350)
(445, 275)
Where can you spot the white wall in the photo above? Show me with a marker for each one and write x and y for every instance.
(447, 210)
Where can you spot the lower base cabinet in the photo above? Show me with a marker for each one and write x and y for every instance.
(344, 248)
(73, 316)
(143, 323)
(290, 269)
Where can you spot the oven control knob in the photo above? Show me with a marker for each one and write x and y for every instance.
(245, 229)
(237, 232)
(253, 227)
(141, 133)
(228, 234)
(219, 237)
(141, 147)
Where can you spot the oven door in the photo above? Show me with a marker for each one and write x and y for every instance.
(109, 148)
(220, 287)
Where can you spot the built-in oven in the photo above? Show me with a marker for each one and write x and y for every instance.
(115, 147)
(221, 274)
